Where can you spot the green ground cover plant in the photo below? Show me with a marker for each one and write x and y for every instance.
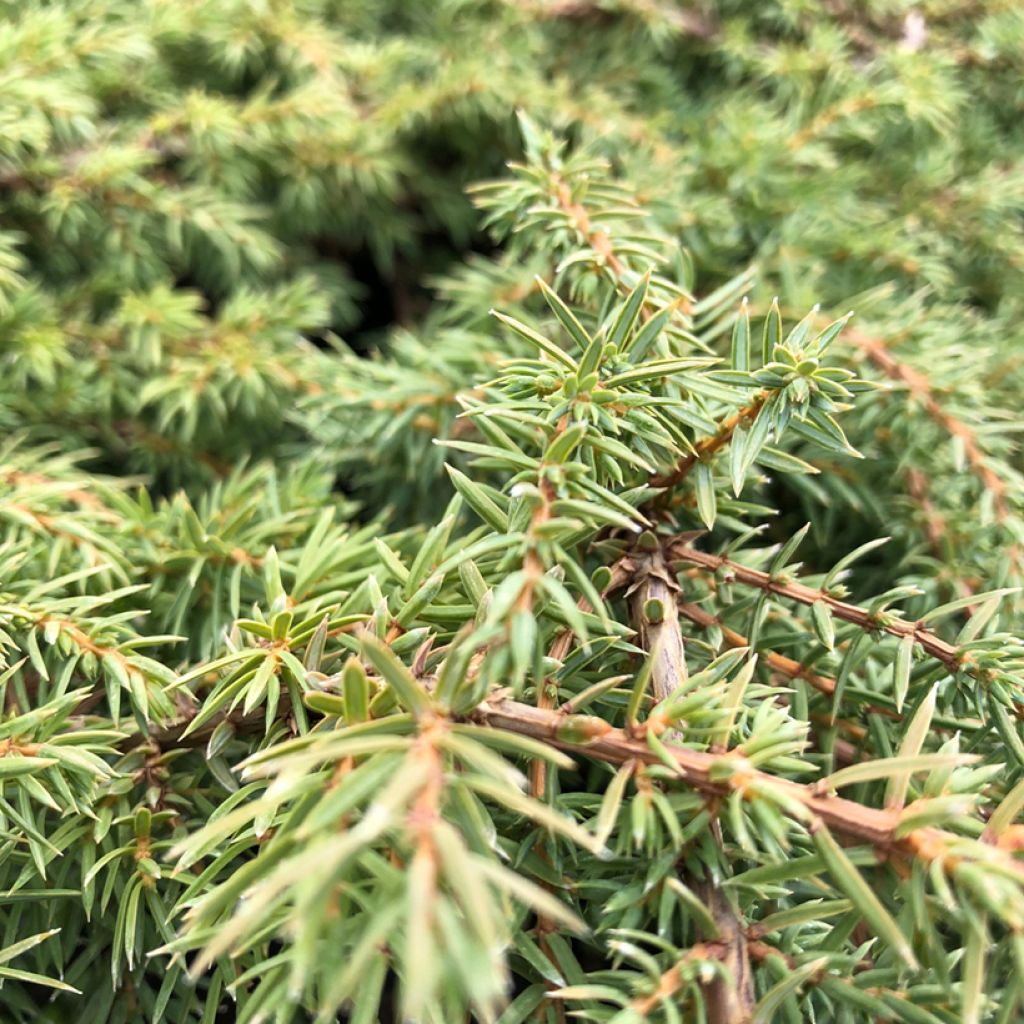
(511, 511)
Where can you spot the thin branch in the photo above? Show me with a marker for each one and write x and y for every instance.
(827, 118)
(672, 980)
(171, 736)
(601, 243)
(668, 984)
(936, 530)
(598, 240)
(694, 767)
(546, 696)
(788, 667)
(558, 651)
(707, 447)
(844, 752)
(778, 663)
(728, 1000)
(70, 160)
(947, 653)
(934, 521)
(920, 387)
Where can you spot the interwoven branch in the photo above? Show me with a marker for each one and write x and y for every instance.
(601, 243)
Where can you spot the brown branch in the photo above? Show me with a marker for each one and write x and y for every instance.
(936, 530)
(694, 767)
(136, 434)
(601, 243)
(533, 568)
(788, 667)
(668, 985)
(844, 752)
(558, 651)
(779, 663)
(171, 736)
(921, 388)
(827, 118)
(654, 598)
(947, 653)
(934, 521)
(598, 239)
(707, 447)
(654, 610)
(846, 818)
(672, 980)
(56, 488)
(69, 161)
(727, 1000)
(538, 766)
(546, 696)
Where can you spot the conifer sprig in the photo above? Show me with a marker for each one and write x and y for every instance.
(481, 668)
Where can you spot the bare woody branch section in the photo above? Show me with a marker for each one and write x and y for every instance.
(947, 653)
(699, 769)
(655, 614)
(784, 666)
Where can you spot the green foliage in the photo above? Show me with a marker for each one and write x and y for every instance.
(599, 638)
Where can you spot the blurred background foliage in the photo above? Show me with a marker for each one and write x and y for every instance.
(214, 193)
